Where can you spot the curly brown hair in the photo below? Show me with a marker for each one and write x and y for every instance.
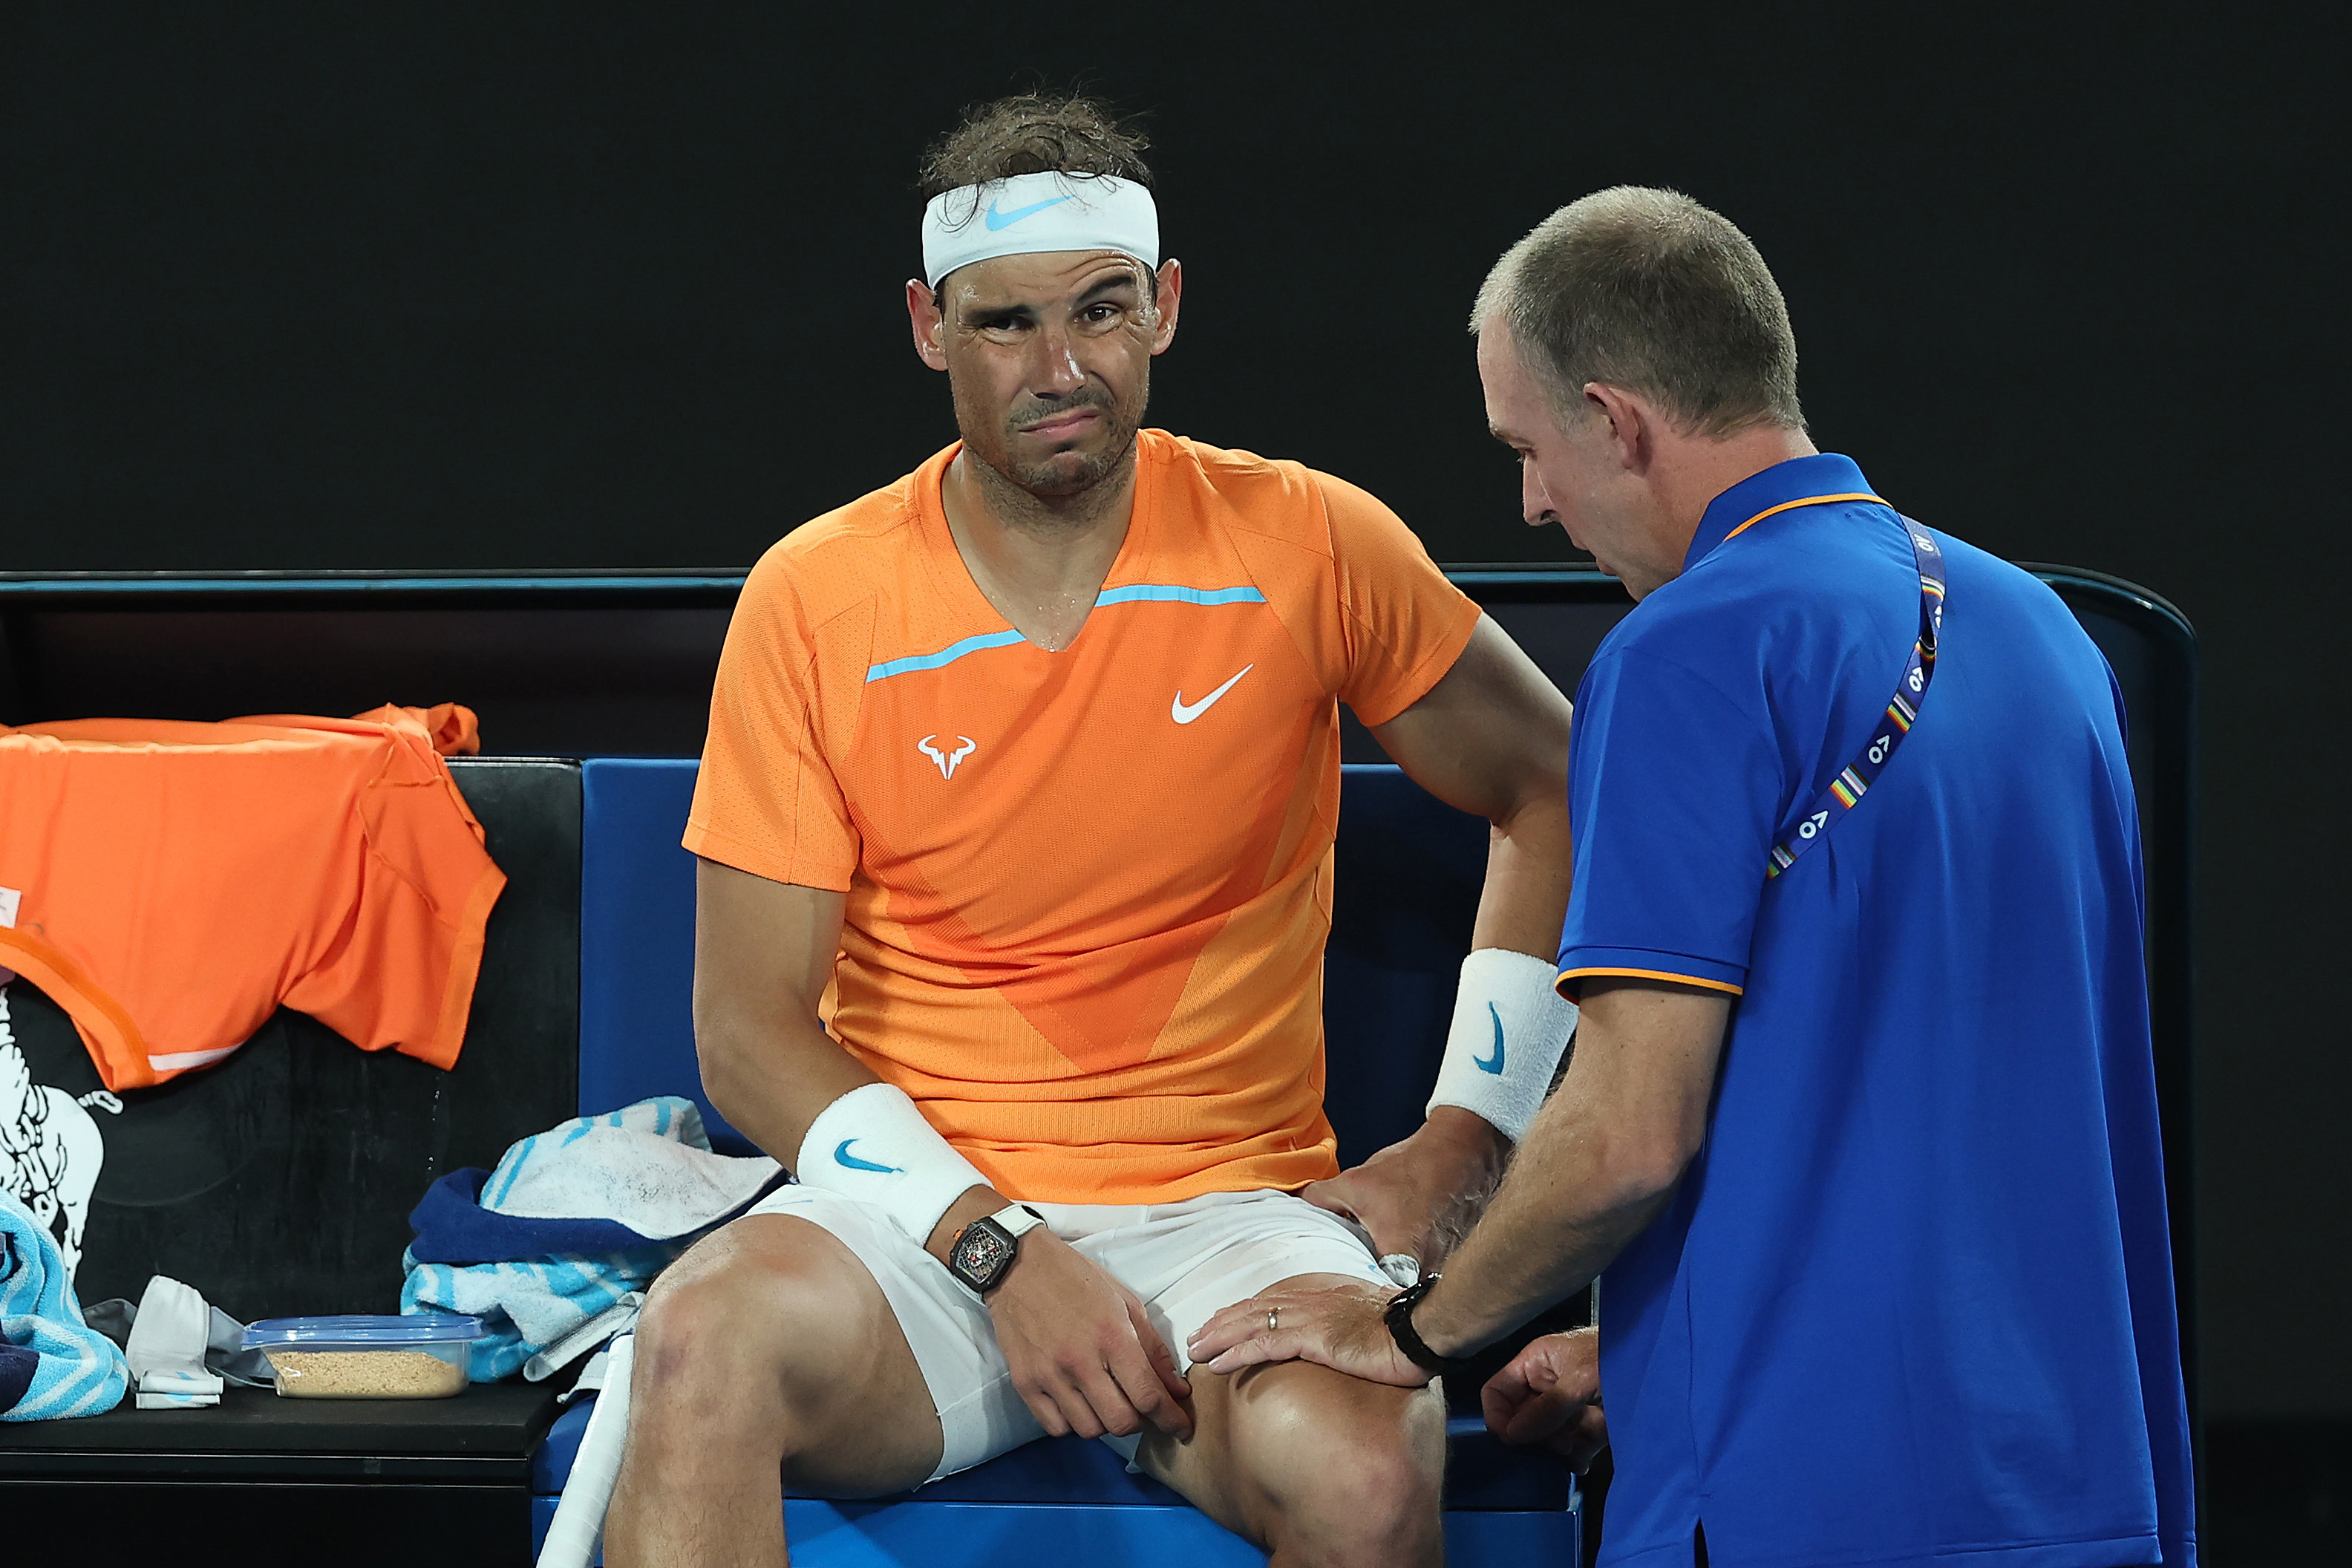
(1034, 133)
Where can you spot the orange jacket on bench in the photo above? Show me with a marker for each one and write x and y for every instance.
(170, 884)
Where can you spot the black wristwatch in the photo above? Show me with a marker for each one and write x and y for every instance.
(1399, 1317)
(986, 1248)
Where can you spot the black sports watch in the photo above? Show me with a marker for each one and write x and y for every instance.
(1398, 1314)
(986, 1248)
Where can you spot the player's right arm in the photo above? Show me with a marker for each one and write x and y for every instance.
(1083, 1353)
(763, 954)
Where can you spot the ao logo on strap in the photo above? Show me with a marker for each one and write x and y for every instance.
(1847, 789)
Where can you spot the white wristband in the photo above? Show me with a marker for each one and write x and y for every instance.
(873, 1145)
(1509, 1030)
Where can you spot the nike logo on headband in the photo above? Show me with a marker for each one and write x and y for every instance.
(997, 220)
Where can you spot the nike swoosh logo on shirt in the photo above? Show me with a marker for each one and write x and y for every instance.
(997, 220)
(1481, 1063)
(849, 1162)
(1183, 714)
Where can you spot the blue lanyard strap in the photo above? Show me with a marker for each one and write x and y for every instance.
(1846, 790)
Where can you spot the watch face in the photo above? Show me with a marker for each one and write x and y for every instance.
(982, 1253)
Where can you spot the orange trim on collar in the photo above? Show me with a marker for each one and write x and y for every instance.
(1809, 500)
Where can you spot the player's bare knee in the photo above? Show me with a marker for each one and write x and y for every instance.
(1372, 1473)
(1347, 1473)
(737, 1329)
(1360, 1502)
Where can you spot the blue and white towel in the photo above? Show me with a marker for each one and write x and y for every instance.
(553, 1249)
(538, 1314)
(597, 1183)
(52, 1364)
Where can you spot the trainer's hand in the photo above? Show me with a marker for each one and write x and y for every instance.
(1551, 1393)
(1085, 1357)
(1420, 1197)
(1338, 1326)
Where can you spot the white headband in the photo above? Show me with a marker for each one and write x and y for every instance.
(1031, 212)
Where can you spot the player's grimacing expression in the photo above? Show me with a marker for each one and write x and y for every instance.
(1049, 359)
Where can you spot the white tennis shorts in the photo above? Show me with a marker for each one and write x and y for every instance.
(1186, 1261)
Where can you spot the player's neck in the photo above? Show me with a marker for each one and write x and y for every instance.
(1039, 560)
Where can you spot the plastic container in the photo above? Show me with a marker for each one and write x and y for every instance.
(425, 1356)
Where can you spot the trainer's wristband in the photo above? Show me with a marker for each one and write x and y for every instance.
(873, 1145)
(1509, 1030)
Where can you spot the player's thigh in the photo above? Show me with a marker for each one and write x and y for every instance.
(773, 1327)
(1293, 1437)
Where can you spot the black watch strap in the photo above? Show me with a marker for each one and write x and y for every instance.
(1399, 1316)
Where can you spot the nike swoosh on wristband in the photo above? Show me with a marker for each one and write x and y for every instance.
(997, 220)
(849, 1162)
(1185, 715)
(1481, 1063)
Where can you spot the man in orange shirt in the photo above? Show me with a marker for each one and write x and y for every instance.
(1016, 820)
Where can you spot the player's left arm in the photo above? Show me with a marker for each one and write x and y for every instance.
(1491, 739)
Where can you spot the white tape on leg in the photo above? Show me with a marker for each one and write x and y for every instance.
(578, 1528)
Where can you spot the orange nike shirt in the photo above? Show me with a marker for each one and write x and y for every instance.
(170, 884)
(1087, 891)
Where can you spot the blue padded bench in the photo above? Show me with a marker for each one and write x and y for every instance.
(1408, 872)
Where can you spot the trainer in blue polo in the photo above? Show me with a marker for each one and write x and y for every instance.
(1860, 1127)
(1913, 1302)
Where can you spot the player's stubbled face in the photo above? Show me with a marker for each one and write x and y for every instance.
(1049, 357)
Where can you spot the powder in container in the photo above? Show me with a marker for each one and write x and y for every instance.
(417, 1355)
(365, 1375)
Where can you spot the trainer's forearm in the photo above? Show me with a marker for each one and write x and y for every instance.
(1561, 1215)
(1599, 1162)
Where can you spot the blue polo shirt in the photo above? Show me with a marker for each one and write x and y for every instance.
(1913, 1302)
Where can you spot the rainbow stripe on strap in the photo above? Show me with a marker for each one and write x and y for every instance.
(1846, 790)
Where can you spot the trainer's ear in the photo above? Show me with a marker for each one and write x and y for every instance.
(1632, 422)
(929, 326)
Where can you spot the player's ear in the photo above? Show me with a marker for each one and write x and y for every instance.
(1171, 294)
(930, 327)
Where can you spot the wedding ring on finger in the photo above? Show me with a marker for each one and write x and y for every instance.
(1273, 1319)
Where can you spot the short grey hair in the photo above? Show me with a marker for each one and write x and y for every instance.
(1647, 291)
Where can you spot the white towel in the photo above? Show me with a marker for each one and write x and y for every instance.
(644, 1174)
(649, 1165)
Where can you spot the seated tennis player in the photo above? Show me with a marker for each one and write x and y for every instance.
(1016, 824)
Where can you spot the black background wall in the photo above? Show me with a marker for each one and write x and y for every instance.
(607, 284)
